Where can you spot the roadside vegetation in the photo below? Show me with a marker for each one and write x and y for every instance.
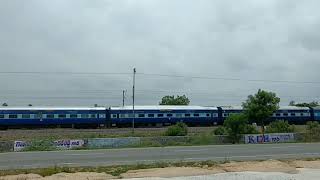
(179, 129)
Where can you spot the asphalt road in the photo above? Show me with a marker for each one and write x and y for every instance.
(17, 160)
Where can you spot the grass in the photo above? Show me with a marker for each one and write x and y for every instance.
(59, 133)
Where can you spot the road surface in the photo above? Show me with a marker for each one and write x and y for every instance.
(17, 160)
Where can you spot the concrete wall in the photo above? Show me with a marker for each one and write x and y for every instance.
(113, 142)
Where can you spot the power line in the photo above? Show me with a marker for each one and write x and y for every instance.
(156, 75)
(61, 73)
(229, 79)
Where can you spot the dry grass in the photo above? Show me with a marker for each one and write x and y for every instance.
(45, 134)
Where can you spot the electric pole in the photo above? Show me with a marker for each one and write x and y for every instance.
(134, 81)
(123, 97)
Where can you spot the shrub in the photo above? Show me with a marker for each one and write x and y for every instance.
(179, 129)
(41, 145)
(250, 129)
(313, 131)
(236, 125)
(280, 126)
(220, 131)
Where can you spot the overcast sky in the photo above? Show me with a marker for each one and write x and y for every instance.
(275, 40)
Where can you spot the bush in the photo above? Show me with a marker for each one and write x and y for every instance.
(250, 129)
(179, 129)
(220, 131)
(236, 125)
(313, 131)
(280, 126)
(41, 145)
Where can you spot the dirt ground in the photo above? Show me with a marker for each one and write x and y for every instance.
(288, 167)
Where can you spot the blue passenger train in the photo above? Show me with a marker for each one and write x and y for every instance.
(92, 117)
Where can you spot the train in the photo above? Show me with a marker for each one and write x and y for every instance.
(142, 116)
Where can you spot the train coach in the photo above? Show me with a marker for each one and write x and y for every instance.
(93, 117)
(292, 114)
(163, 115)
(316, 112)
(52, 116)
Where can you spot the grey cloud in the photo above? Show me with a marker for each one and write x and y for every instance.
(251, 39)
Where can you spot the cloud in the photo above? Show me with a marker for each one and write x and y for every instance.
(268, 39)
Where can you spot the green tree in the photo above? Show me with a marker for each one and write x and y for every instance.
(292, 103)
(171, 100)
(236, 125)
(310, 104)
(261, 106)
(280, 126)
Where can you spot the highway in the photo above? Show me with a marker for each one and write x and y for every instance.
(105, 157)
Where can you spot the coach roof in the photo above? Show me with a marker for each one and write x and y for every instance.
(50, 108)
(164, 107)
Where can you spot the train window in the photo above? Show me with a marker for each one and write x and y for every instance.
(285, 114)
(130, 115)
(114, 115)
(196, 115)
(278, 114)
(1, 116)
(13, 116)
(301, 114)
(62, 116)
(122, 115)
(292, 114)
(150, 115)
(25, 116)
(73, 115)
(169, 115)
(141, 115)
(93, 116)
(186, 115)
(51, 116)
(160, 115)
(84, 115)
(178, 115)
(208, 115)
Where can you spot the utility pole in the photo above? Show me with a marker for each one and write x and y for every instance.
(123, 97)
(134, 81)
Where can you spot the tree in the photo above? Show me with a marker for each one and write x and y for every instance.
(292, 103)
(236, 125)
(311, 104)
(280, 126)
(171, 100)
(261, 106)
(4, 104)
